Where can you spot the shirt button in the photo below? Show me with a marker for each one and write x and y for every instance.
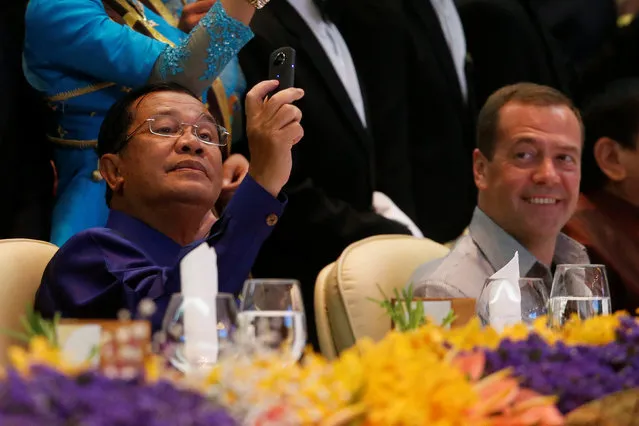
(271, 219)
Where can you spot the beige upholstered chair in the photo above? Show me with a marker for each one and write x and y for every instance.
(343, 311)
(22, 263)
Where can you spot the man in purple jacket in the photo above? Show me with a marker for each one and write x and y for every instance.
(160, 156)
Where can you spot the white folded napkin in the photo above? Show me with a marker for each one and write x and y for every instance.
(504, 299)
(199, 281)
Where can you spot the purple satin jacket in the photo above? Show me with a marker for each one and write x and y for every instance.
(100, 271)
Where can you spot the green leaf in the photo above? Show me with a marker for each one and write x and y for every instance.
(16, 335)
(55, 323)
(27, 327)
(420, 317)
(405, 315)
(48, 331)
(34, 325)
(404, 307)
(95, 350)
(449, 319)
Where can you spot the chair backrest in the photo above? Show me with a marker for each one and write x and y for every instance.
(22, 263)
(343, 309)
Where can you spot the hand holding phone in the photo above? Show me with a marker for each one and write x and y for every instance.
(282, 68)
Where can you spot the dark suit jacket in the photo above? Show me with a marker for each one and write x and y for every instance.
(617, 59)
(330, 189)
(581, 27)
(509, 44)
(527, 42)
(26, 178)
(598, 51)
(405, 62)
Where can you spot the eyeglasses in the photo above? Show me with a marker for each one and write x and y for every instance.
(205, 130)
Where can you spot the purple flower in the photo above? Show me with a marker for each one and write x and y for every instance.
(48, 397)
(577, 374)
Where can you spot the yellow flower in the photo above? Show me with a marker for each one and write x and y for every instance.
(41, 352)
(405, 379)
(598, 330)
(153, 368)
(426, 389)
(472, 335)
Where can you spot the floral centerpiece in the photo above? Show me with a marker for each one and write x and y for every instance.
(430, 375)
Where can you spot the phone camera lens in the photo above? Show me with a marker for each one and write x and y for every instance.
(280, 58)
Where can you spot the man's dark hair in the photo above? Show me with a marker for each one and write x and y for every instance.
(523, 93)
(613, 114)
(115, 127)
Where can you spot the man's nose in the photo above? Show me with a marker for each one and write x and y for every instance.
(188, 142)
(546, 173)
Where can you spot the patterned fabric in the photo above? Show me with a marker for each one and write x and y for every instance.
(203, 53)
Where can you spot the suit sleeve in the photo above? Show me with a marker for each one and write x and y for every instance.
(79, 36)
(245, 224)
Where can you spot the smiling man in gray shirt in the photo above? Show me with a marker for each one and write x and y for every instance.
(527, 168)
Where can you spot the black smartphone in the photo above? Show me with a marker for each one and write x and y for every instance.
(282, 68)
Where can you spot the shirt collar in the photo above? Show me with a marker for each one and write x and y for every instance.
(160, 248)
(309, 11)
(499, 247)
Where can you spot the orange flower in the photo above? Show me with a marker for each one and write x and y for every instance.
(502, 400)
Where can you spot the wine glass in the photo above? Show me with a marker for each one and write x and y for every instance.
(581, 290)
(197, 330)
(533, 301)
(272, 315)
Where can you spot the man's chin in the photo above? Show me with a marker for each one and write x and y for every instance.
(194, 192)
(548, 226)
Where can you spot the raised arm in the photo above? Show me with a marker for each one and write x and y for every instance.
(79, 37)
(212, 43)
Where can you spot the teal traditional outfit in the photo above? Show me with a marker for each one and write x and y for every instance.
(84, 54)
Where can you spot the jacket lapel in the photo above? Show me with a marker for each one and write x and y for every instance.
(290, 19)
(427, 21)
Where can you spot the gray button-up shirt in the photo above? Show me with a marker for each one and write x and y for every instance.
(486, 249)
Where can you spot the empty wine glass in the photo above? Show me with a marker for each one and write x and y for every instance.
(198, 330)
(533, 301)
(581, 290)
(272, 315)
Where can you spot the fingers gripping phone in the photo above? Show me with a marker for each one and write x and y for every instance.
(282, 68)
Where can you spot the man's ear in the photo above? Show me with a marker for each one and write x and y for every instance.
(480, 168)
(608, 156)
(110, 170)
